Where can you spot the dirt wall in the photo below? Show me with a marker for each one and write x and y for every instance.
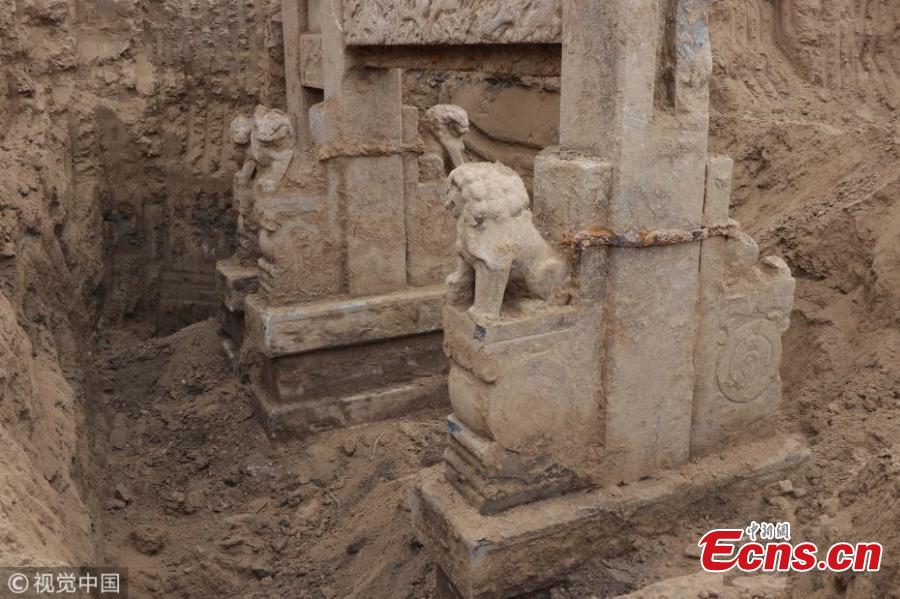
(114, 205)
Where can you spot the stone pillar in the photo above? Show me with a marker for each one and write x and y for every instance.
(363, 143)
(302, 49)
(343, 336)
(651, 128)
(645, 357)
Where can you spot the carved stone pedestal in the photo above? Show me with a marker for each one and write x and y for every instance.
(531, 546)
(339, 362)
(522, 391)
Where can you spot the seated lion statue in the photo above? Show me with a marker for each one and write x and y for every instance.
(271, 146)
(497, 243)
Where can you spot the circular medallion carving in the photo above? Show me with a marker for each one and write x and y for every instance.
(749, 361)
(532, 406)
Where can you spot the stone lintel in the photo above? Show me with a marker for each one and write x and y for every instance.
(522, 60)
(531, 546)
(299, 328)
(399, 22)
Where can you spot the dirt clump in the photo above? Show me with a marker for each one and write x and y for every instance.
(206, 506)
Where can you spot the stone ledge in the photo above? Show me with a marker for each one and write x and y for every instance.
(299, 419)
(529, 547)
(301, 328)
(234, 282)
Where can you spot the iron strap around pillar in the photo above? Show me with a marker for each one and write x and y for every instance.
(355, 149)
(644, 238)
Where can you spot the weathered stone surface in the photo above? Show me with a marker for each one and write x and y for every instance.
(242, 189)
(430, 229)
(624, 110)
(311, 74)
(494, 479)
(351, 370)
(300, 240)
(298, 17)
(737, 383)
(523, 390)
(744, 308)
(444, 127)
(298, 419)
(376, 236)
(528, 547)
(449, 22)
(235, 280)
(570, 192)
(431, 233)
(515, 60)
(299, 328)
(271, 147)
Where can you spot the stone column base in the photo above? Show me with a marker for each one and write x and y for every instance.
(531, 546)
(341, 362)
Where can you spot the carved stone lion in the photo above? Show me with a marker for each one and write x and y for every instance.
(241, 133)
(272, 146)
(444, 127)
(497, 242)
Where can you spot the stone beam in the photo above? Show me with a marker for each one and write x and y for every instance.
(538, 60)
(300, 328)
(451, 22)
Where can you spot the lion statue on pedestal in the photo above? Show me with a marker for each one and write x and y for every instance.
(497, 243)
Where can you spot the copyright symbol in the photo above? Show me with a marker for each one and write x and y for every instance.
(17, 583)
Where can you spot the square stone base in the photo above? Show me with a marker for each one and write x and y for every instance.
(345, 361)
(529, 547)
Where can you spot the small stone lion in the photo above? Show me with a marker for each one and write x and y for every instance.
(241, 133)
(497, 242)
(444, 126)
(271, 146)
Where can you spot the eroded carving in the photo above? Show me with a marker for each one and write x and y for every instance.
(392, 22)
(311, 73)
(444, 127)
(752, 321)
(749, 361)
(497, 243)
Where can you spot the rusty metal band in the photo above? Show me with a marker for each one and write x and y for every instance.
(604, 237)
(365, 150)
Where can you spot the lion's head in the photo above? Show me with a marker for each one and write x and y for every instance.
(241, 129)
(271, 125)
(447, 117)
(483, 191)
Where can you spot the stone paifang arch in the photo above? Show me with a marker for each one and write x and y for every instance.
(660, 344)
